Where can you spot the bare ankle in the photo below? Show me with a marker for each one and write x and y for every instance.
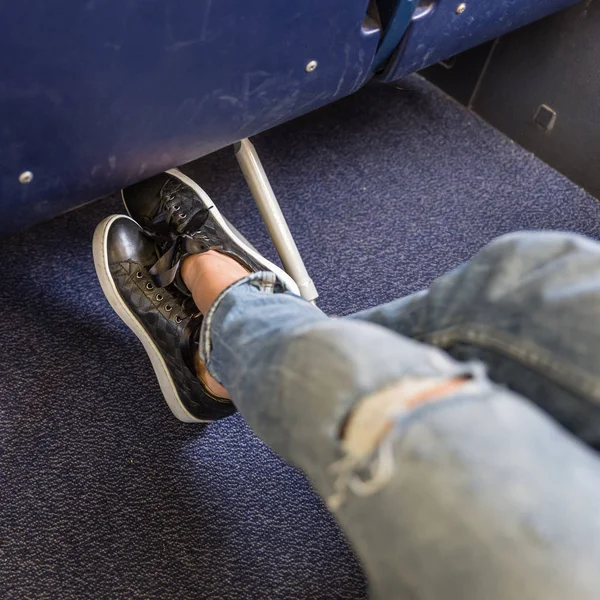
(210, 383)
(207, 275)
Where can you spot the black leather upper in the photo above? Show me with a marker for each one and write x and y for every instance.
(164, 206)
(171, 319)
(127, 242)
(173, 214)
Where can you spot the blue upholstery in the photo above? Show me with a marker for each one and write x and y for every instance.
(95, 94)
(98, 94)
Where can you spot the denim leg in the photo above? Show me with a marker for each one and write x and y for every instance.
(528, 306)
(473, 494)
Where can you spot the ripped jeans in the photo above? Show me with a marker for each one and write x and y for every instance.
(489, 489)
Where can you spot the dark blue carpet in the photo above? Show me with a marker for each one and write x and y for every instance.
(102, 493)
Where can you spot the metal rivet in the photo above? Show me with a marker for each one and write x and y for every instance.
(311, 66)
(460, 9)
(26, 177)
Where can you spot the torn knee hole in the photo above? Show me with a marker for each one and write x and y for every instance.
(373, 416)
(367, 447)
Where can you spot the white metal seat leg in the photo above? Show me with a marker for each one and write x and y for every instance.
(277, 226)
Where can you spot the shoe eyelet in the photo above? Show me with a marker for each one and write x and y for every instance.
(182, 215)
(178, 319)
(149, 286)
(139, 274)
(176, 207)
(159, 297)
(168, 308)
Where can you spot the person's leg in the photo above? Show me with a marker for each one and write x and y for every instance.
(447, 485)
(528, 305)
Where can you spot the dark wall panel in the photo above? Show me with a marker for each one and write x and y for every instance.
(542, 89)
(459, 75)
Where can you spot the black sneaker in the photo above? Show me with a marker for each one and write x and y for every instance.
(182, 219)
(166, 322)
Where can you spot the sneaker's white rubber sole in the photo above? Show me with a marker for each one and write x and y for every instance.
(214, 211)
(167, 385)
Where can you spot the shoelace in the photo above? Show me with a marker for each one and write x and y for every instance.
(191, 322)
(187, 308)
(167, 194)
(164, 271)
(190, 332)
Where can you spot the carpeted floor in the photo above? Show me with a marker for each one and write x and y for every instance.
(102, 493)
